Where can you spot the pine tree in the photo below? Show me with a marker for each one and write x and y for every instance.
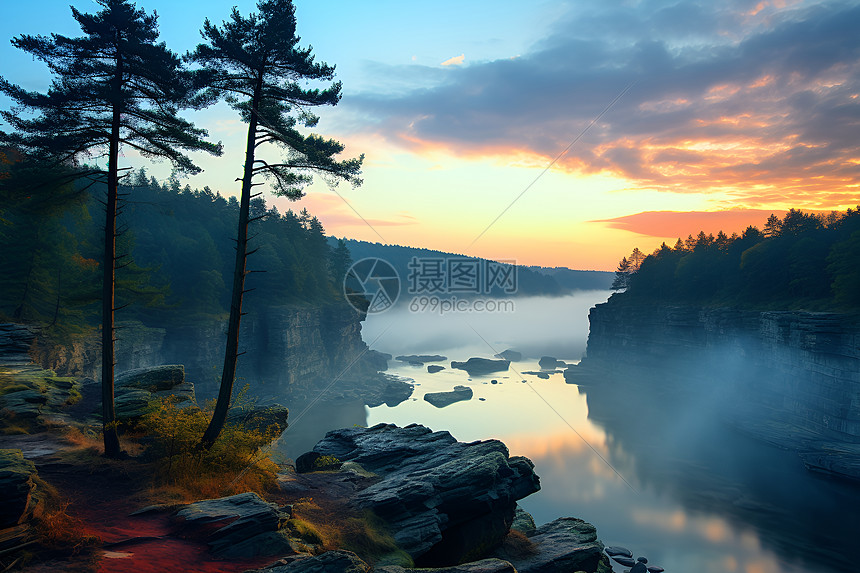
(772, 227)
(622, 275)
(341, 259)
(257, 65)
(114, 87)
(635, 259)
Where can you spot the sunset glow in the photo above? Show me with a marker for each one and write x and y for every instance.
(709, 118)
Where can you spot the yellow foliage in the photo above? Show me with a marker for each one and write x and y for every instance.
(235, 463)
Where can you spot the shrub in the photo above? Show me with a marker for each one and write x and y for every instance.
(235, 463)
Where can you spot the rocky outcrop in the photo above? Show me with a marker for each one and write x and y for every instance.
(481, 365)
(564, 545)
(792, 378)
(442, 399)
(329, 562)
(446, 501)
(19, 501)
(293, 350)
(134, 390)
(482, 566)
(27, 393)
(238, 526)
(15, 343)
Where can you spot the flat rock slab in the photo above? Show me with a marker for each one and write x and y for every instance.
(238, 526)
(153, 379)
(482, 566)
(442, 399)
(339, 561)
(442, 498)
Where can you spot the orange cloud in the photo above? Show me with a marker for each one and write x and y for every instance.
(683, 223)
(336, 214)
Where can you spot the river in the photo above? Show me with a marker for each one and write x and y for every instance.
(670, 482)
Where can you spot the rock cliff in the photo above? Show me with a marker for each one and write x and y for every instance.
(289, 350)
(791, 378)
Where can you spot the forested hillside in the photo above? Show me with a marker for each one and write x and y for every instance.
(181, 247)
(531, 281)
(802, 261)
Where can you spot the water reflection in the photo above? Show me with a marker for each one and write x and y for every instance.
(652, 515)
(697, 495)
(303, 433)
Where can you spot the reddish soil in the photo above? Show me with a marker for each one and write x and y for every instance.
(103, 501)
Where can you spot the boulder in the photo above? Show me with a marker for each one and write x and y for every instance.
(481, 365)
(17, 484)
(240, 526)
(613, 550)
(434, 368)
(153, 379)
(135, 389)
(338, 561)
(442, 399)
(511, 355)
(564, 545)
(446, 501)
(272, 418)
(482, 566)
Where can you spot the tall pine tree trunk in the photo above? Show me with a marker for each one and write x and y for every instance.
(231, 352)
(111, 437)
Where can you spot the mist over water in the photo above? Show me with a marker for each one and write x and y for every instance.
(538, 326)
(646, 457)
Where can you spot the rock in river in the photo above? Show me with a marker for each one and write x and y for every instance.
(481, 365)
(434, 368)
(613, 550)
(511, 355)
(550, 362)
(442, 399)
(421, 358)
(445, 500)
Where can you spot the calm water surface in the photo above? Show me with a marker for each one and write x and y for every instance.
(665, 478)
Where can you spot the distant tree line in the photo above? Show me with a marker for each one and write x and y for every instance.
(803, 260)
(176, 256)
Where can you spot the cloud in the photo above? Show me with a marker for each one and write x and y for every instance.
(335, 214)
(682, 223)
(741, 98)
(455, 61)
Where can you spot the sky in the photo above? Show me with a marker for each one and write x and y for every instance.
(550, 133)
